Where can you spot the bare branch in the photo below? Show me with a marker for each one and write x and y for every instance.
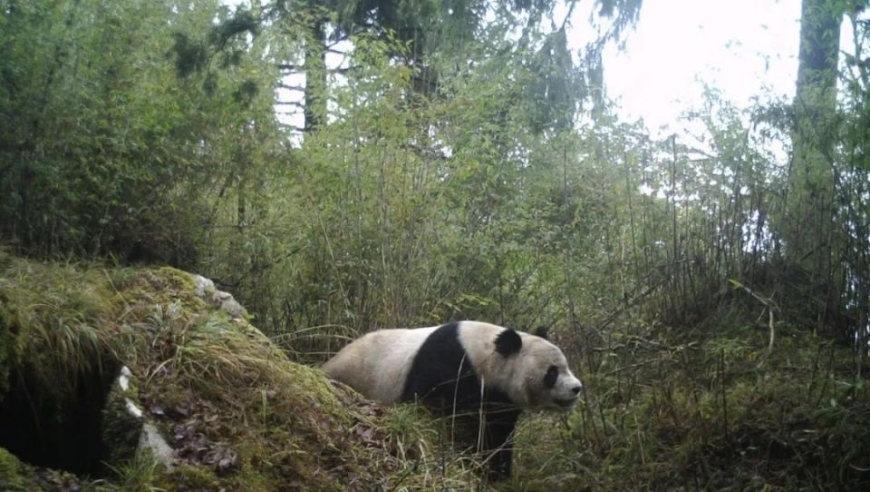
(300, 68)
(292, 127)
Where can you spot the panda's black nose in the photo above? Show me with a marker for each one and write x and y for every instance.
(577, 389)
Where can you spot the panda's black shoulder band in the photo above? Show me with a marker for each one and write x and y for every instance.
(508, 342)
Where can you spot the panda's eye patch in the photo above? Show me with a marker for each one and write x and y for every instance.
(551, 377)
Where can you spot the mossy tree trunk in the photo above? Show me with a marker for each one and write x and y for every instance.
(810, 212)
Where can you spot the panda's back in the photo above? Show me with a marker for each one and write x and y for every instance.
(377, 364)
(436, 365)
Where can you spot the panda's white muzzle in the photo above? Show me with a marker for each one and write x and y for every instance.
(571, 388)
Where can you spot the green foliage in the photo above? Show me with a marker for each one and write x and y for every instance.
(112, 154)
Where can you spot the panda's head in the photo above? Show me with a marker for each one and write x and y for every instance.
(532, 371)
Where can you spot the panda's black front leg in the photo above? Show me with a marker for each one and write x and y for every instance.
(498, 430)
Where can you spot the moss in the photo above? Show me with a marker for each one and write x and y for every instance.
(186, 477)
(10, 474)
(120, 429)
(139, 291)
(181, 279)
(16, 476)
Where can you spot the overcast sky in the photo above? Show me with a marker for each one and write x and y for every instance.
(738, 46)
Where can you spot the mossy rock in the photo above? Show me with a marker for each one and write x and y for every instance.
(238, 413)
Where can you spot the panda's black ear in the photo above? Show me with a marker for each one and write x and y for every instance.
(508, 342)
(543, 332)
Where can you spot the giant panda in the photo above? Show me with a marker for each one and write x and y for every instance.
(481, 373)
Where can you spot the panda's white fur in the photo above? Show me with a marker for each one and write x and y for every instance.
(502, 370)
(377, 364)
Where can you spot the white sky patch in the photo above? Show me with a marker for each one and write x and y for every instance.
(741, 47)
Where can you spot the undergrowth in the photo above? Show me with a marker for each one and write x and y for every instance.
(664, 409)
(728, 413)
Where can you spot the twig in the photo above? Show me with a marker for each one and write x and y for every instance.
(770, 305)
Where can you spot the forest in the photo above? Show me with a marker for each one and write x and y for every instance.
(458, 160)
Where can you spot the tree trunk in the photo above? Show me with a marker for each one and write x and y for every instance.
(315, 76)
(809, 208)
